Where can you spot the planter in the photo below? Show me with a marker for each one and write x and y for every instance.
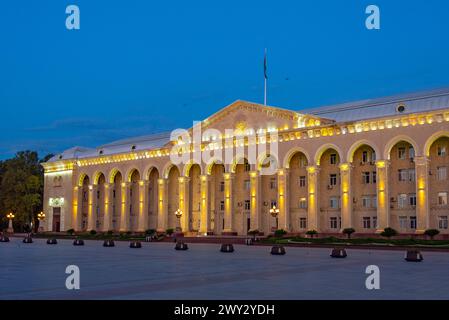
(413, 256)
(78, 242)
(227, 248)
(52, 241)
(180, 245)
(135, 244)
(108, 243)
(278, 250)
(338, 253)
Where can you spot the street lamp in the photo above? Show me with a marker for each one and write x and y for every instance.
(10, 216)
(40, 217)
(274, 213)
(178, 214)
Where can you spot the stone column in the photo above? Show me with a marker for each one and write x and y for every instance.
(77, 209)
(124, 212)
(383, 201)
(143, 206)
(108, 204)
(162, 218)
(205, 208)
(422, 194)
(92, 210)
(255, 187)
(229, 206)
(184, 202)
(346, 196)
(313, 211)
(283, 201)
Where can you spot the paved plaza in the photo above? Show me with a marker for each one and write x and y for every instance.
(157, 271)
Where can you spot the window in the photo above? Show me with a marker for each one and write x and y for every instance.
(365, 177)
(412, 199)
(366, 222)
(273, 183)
(303, 162)
(247, 167)
(411, 175)
(273, 203)
(334, 202)
(98, 194)
(374, 222)
(333, 179)
(442, 198)
(403, 222)
(303, 203)
(403, 175)
(222, 186)
(441, 151)
(366, 202)
(374, 175)
(333, 223)
(442, 222)
(413, 222)
(373, 156)
(247, 205)
(442, 173)
(222, 205)
(402, 201)
(374, 201)
(302, 223)
(411, 153)
(246, 184)
(333, 158)
(302, 181)
(365, 157)
(113, 193)
(401, 153)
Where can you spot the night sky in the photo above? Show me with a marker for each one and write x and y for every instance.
(140, 67)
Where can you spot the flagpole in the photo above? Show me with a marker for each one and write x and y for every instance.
(265, 93)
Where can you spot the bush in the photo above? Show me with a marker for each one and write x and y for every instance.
(128, 233)
(279, 233)
(348, 232)
(169, 231)
(93, 232)
(71, 232)
(110, 232)
(312, 233)
(388, 233)
(150, 232)
(431, 233)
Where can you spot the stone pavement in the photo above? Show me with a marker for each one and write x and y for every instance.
(157, 271)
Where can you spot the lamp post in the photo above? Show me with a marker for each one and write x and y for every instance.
(10, 216)
(178, 214)
(274, 213)
(40, 217)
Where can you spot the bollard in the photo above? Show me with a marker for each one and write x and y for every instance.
(338, 253)
(227, 248)
(52, 241)
(180, 245)
(135, 244)
(413, 256)
(108, 243)
(278, 250)
(27, 239)
(78, 242)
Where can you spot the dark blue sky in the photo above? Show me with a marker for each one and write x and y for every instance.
(138, 67)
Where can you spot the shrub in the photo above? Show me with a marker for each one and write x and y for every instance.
(169, 231)
(71, 232)
(110, 232)
(348, 232)
(279, 233)
(431, 233)
(128, 233)
(388, 233)
(312, 233)
(150, 232)
(93, 232)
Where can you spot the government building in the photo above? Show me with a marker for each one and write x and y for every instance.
(365, 165)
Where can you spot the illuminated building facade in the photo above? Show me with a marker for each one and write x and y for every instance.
(366, 165)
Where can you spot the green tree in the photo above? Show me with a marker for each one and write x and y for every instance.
(348, 232)
(21, 188)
